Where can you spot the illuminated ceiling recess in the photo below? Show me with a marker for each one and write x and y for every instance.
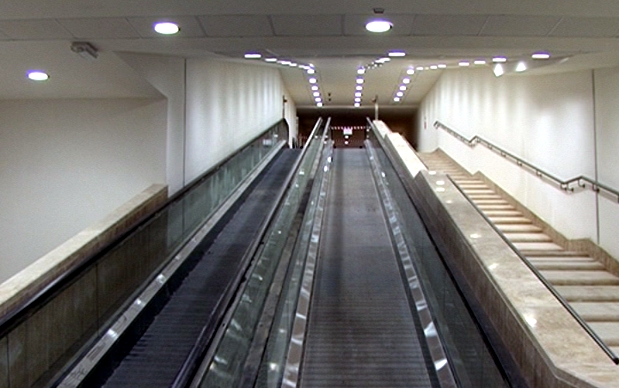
(379, 24)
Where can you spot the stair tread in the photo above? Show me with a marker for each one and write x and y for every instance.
(527, 237)
(510, 220)
(597, 311)
(519, 228)
(536, 253)
(608, 332)
(537, 246)
(589, 293)
(574, 277)
(503, 213)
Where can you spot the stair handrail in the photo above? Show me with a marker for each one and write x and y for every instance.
(581, 181)
(541, 277)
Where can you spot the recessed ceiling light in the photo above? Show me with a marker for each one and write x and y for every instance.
(253, 56)
(406, 81)
(396, 99)
(293, 64)
(359, 87)
(312, 80)
(479, 62)
(166, 28)
(383, 60)
(433, 67)
(285, 63)
(410, 71)
(357, 104)
(357, 99)
(361, 70)
(314, 87)
(37, 75)
(359, 80)
(319, 104)
(419, 68)
(442, 66)
(311, 71)
(399, 94)
(358, 94)
(378, 25)
(316, 94)
(318, 99)
(499, 59)
(270, 59)
(397, 54)
(540, 55)
(402, 87)
(464, 63)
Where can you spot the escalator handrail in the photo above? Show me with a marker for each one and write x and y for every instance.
(194, 359)
(41, 297)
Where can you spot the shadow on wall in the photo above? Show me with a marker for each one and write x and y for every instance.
(403, 121)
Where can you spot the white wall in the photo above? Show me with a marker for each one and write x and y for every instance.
(228, 104)
(65, 164)
(552, 121)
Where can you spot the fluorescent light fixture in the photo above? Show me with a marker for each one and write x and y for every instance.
(318, 99)
(166, 28)
(361, 70)
(358, 94)
(357, 99)
(433, 67)
(464, 63)
(359, 80)
(419, 68)
(378, 25)
(293, 64)
(285, 63)
(314, 87)
(410, 71)
(522, 66)
(402, 87)
(38, 75)
(316, 94)
(400, 94)
(383, 60)
(479, 62)
(540, 55)
(396, 99)
(498, 70)
(397, 54)
(359, 87)
(442, 66)
(311, 71)
(270, 59)
(253, 56)
(312, 80)
(406, 81)
(499, 59)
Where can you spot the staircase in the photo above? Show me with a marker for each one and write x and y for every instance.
(591, 290)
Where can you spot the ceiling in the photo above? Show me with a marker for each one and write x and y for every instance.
(328, 34)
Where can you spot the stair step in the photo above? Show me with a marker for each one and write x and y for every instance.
(608, 331)
(564, 278)
(477, 191)
(492, 201)
(557, 265)
(537, 246)
(510, 220)
(597, 311)
(473, 186)
(546, 253)
(589, 293)
(563, 259)
(517, 228)
(503, 213)
(528, 237)
(495, 207)
(476, 197)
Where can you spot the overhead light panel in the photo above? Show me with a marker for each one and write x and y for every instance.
(499, 59)
(464, 63)
(166, 28)
(270, 59)
(397, 54)
(378, 25)
(479, 62)
(38, 75)
(253, 56)
(312, 80)
(410, 71)
(540, 55)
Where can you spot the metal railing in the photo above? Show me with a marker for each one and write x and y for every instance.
(569, 185)
(541, 277)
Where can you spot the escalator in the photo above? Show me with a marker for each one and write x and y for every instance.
(159, 354)
(361, 330)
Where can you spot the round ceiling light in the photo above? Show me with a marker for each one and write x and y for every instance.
(37, 75)
(166, 28)
(378, 25)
